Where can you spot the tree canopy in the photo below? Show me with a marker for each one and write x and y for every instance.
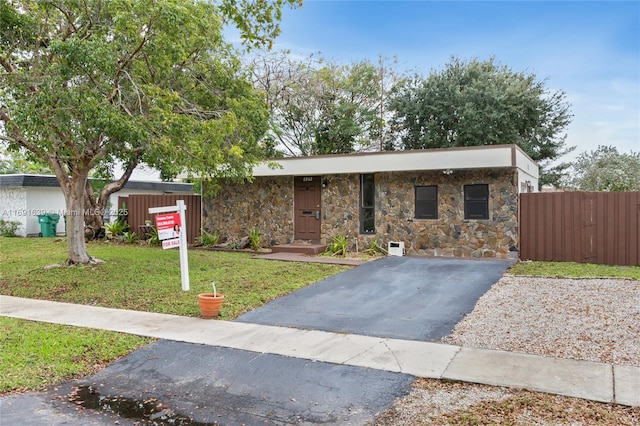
(21, 162)
(605, 169)
(86, 84)
(471, 103)
(319, 107)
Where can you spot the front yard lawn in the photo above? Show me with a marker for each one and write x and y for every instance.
(147, 278)
(137, 277)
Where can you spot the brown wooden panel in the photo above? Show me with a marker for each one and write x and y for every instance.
(138, 208)
(590, 217)
(580, 227)
(558, 245)
(634, 230)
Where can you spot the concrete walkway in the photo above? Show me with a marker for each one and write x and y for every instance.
(581, 379)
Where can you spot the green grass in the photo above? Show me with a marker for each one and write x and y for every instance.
(35, 355)
(147, 278)
(574, 270)
(138, 277)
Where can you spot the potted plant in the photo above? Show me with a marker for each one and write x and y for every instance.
(210, 303)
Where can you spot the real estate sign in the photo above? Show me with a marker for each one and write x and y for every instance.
(169, 223)
(169, 226)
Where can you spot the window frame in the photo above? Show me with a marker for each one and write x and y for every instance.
(433, 203)
(472, 202)
(367, 212)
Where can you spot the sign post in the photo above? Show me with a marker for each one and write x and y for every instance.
(171, 228)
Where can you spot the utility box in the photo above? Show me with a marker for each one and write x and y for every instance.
(396, 248)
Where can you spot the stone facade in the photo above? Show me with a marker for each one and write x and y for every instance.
(267, 203)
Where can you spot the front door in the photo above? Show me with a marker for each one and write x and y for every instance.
(307, 207)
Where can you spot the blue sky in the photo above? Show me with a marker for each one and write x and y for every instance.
(589, 49)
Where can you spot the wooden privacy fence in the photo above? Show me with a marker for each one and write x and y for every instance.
(138, 208)
(586, 227)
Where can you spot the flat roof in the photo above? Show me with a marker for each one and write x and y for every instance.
(477, 157)
(50, 181)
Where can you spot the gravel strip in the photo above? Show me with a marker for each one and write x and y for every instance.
(587, 319)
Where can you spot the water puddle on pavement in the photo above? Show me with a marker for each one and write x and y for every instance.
(148, 412)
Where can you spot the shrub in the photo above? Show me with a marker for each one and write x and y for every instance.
(207, 239)
(8, 228)
(130, 237)
(375, 247)
(153, 237)
(338, 246)
(254, 239)
(115, 229)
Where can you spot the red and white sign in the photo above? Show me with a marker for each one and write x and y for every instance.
(169, 227)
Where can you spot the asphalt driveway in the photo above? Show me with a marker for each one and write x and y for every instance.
(393, 297)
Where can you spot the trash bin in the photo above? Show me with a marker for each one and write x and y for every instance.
(48, 224)
(55, 218)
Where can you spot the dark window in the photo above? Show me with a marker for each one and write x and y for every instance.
(367, 204)
(426, 202)
(476, 201)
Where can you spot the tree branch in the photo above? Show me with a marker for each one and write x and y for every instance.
(125, 63)
(116, 186)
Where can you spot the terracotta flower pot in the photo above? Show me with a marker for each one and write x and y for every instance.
(210, 304)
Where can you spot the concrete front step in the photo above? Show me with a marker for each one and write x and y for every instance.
(303, 248)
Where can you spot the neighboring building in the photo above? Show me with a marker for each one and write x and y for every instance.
(23, 197)
(460, 202)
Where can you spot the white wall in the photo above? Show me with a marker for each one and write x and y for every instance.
(13, 208)
(41, 200)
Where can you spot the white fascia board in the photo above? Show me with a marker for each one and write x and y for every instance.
(496, 156)
(526, 165)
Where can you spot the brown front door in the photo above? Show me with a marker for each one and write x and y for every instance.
(307, 207)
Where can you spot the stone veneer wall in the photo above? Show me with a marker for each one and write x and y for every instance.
(449, 235)
(267, 203)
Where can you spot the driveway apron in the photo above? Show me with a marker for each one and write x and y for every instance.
(393, 297)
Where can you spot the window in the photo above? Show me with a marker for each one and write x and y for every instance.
(367, 204)
(426, 202)
(476, 201)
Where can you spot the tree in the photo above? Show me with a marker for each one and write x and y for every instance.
(86, 84)
(483, 103)
(21, 162)
(347, 118)
(290, 89)
(319, 107)
(606, 170)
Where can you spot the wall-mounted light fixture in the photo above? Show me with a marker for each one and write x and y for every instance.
(325, 183)
(529, 186)
(447, 171)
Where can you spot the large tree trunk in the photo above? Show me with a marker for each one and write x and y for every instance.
(94, 220)
(75, 199)
(94, 215)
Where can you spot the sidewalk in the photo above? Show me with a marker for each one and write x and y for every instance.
(581, 379)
